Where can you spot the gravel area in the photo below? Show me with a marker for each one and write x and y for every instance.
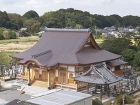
(9, 95)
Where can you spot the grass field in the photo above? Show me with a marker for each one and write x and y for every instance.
(18, 45)
(20, 40)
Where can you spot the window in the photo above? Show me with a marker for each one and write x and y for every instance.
(117, 67)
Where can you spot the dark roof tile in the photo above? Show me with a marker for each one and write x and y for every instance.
(65, 47)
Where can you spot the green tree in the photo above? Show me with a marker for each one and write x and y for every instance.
(28, 23)
(31, 14)
(4, 58)
(116, 45)
(136, 61)
(1, 34)
(131, 21)
(4, 20)
(128, 55)
(14, 18)
(137, 42)
(35, 27)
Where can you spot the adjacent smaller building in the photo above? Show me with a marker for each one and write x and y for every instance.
(63, 97)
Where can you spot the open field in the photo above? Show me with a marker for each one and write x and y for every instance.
(24, 43)
(18, 45)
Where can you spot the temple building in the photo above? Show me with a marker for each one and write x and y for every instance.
(62, 54)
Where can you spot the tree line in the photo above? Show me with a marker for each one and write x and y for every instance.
(123, 46)
(64, 18)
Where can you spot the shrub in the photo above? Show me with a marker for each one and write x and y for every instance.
(108, 103)
(138, 101)
(127, 99)
(96, 102)
(5, 58)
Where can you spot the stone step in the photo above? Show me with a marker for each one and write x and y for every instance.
(40, 83)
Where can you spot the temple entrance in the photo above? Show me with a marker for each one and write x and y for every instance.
(41, 75)
(52, 75)
(44, 75)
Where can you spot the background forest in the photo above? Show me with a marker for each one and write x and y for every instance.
(64, 18)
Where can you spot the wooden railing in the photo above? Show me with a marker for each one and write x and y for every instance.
(67, 86)
(82, 86)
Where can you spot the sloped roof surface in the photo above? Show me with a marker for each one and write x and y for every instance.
(90, 55)
(117, 62)
(98, 74)
(66, 48)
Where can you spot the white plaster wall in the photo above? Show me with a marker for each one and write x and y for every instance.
(71, 68)
(87, 101)
(56, 72)
(113, 69)
(122, 67)
(63, 66)
(40, 71)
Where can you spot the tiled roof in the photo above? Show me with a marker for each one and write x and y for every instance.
(98, 74)
(116, 62)
(66, 46)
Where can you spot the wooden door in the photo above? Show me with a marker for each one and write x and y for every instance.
(62, 76)
(44, 75)
(36, 74)
(52, 75)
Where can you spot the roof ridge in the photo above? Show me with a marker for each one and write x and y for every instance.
(70, 30)
(99, 73)
(39, 54)
(104, 65)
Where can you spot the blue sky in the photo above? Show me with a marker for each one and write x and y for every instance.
(102, 7)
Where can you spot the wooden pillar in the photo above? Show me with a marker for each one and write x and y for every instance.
(101, 92)
(95, 88)
(108, 90)
(67, 75)
(78, 70)
(29, 80)
(48, 78)
(87, 87)
(119, 87)
(58, 73)
(75, 73)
